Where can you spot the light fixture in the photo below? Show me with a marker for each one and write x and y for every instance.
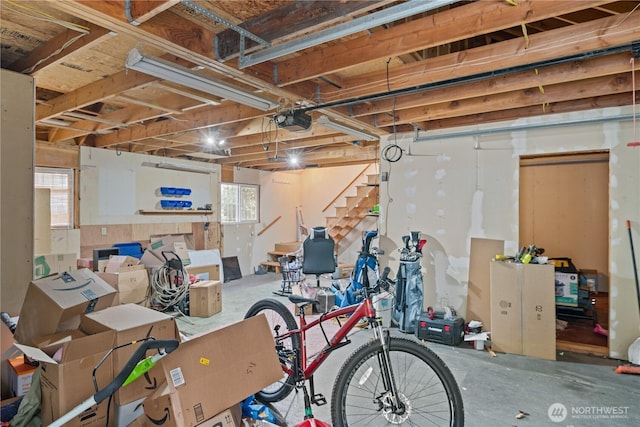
(178, 167)
(293, 160)
(211, 140)
(178, 74)
(328, 123)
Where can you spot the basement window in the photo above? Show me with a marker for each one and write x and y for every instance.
(239, 203)
(60, 184)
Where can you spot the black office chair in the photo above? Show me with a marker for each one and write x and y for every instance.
(319, 253)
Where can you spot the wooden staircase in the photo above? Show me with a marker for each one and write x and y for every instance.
(357, 207)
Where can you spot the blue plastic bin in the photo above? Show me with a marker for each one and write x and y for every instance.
(168, 191)
(133, 249)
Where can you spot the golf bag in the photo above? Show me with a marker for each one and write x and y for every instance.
(408, 292)
(365, 273)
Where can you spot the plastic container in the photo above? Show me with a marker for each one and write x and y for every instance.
(133, 249)
(168, 191)
(169, 204)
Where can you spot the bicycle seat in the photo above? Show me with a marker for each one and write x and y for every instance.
(297, 299)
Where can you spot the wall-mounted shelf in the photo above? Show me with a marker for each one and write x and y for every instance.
(174, 212)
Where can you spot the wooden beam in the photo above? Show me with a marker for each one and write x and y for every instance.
(142, 11)
(215, 116)
(582, 38)
(554, 74)
(94, 92)
(56, 49)
(459, 23)
(289, 20)
(56, 157)
(533, 96)
(615, 100)
(171, 33)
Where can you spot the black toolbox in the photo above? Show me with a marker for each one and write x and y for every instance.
(437, 329)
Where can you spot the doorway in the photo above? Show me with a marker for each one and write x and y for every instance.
(564, 208)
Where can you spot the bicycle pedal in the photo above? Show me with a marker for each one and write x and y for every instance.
(319, 399)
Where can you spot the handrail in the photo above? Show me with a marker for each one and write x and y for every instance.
(346, 188)
(269, 225)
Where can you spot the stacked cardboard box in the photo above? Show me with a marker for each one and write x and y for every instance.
(523, 309)
(205, 298)
(129, 277)
(85, 338)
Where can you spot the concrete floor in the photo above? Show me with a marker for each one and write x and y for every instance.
(494, 389)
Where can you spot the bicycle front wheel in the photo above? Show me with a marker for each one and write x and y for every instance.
(280, 321)
(428, 394)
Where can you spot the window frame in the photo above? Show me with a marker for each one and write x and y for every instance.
(239, 203)
(70, 191)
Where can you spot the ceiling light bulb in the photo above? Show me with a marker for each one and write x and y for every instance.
(293, 160)
(210, 140)
(222, 142)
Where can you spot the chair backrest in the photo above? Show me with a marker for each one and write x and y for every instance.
(318, 249)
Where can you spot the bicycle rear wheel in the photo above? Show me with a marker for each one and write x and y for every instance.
(427, 390)
(280, 321)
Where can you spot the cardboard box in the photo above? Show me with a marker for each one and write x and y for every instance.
(132, 283)
(20, 374)
(174, 243)
(159, 411)
(67, 383)
(308, 309)
(523, 309)
(6, 343)
(205, 272)
(588, 278)
(566, 288)
(479, 287)
(45, 265)
(117, 263)
(218, 369)
(205, 298)
(131, 323)
(55, 303)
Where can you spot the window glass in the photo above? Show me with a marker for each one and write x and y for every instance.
(240, 203)
(60, 184)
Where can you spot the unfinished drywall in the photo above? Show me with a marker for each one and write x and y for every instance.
(280, 194)
(452, 189)
(116, 186)
(17, 94)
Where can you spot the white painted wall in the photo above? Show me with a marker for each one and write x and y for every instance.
(451, 191)
(115, 186)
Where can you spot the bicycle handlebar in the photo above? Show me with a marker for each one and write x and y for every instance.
(132, 363)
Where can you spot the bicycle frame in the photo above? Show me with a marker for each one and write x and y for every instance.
(358, 311)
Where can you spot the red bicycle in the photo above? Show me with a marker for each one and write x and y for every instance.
(388, 381)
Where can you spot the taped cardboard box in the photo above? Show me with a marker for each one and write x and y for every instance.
(229, 363)
(159, 411)
(205, 272)
(45, 265)
(67, 381)
(205, 298)
(131, 323)
(55, 303)
(132, 283)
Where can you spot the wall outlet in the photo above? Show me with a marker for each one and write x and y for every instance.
(103, 231)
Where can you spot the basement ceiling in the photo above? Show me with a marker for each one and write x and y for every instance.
(376, 66)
